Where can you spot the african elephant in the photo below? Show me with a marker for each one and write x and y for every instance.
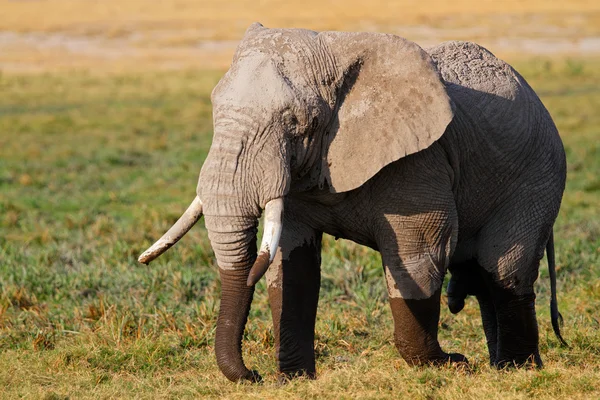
(439, 159)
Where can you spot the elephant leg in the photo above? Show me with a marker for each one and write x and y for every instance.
(416, 241)
(293, 281)
(509, 321)
(517, 337)
(414, 283)
(511, 268)
(490, 323)
(415, 331)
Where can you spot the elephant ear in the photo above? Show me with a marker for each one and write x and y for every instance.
(390, 103)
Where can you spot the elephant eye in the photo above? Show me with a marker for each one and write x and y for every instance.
(290, 119)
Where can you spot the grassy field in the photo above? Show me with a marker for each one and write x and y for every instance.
(93, 167)
(99, 154)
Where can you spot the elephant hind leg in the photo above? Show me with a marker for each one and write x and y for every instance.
(508, 315)
(517, 340)
(510, 251)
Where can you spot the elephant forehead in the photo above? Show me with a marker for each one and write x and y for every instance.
(279, 44)
(252, 82)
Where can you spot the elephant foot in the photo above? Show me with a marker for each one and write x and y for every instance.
(445, 359)
(533, 361)
(287, 376)
(457, 358)
(299, 363)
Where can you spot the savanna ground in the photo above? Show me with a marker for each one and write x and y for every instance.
(97, 162)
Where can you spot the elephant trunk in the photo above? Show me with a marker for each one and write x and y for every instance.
(235, 183)
(236, 298)
(233, 240)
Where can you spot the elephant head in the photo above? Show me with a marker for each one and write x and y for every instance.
(300, 110)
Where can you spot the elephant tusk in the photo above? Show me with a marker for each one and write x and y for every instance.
(270, 240)
(180, 228)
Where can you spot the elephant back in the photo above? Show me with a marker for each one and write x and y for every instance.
(500, 103)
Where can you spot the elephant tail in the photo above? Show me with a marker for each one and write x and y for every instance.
(555, 315)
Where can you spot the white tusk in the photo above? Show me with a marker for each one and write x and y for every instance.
(268, 247)
(180, 228)
(273, 226)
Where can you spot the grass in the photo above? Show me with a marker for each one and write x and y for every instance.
(94, 167)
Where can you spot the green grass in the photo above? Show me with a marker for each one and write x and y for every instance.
(95, 167)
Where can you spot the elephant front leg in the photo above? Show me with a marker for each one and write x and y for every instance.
(416, 323)
(294, 281)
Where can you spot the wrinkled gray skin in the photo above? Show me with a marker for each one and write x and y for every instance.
(439, 159)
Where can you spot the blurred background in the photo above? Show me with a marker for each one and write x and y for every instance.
(55, 34)
(105, 121)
